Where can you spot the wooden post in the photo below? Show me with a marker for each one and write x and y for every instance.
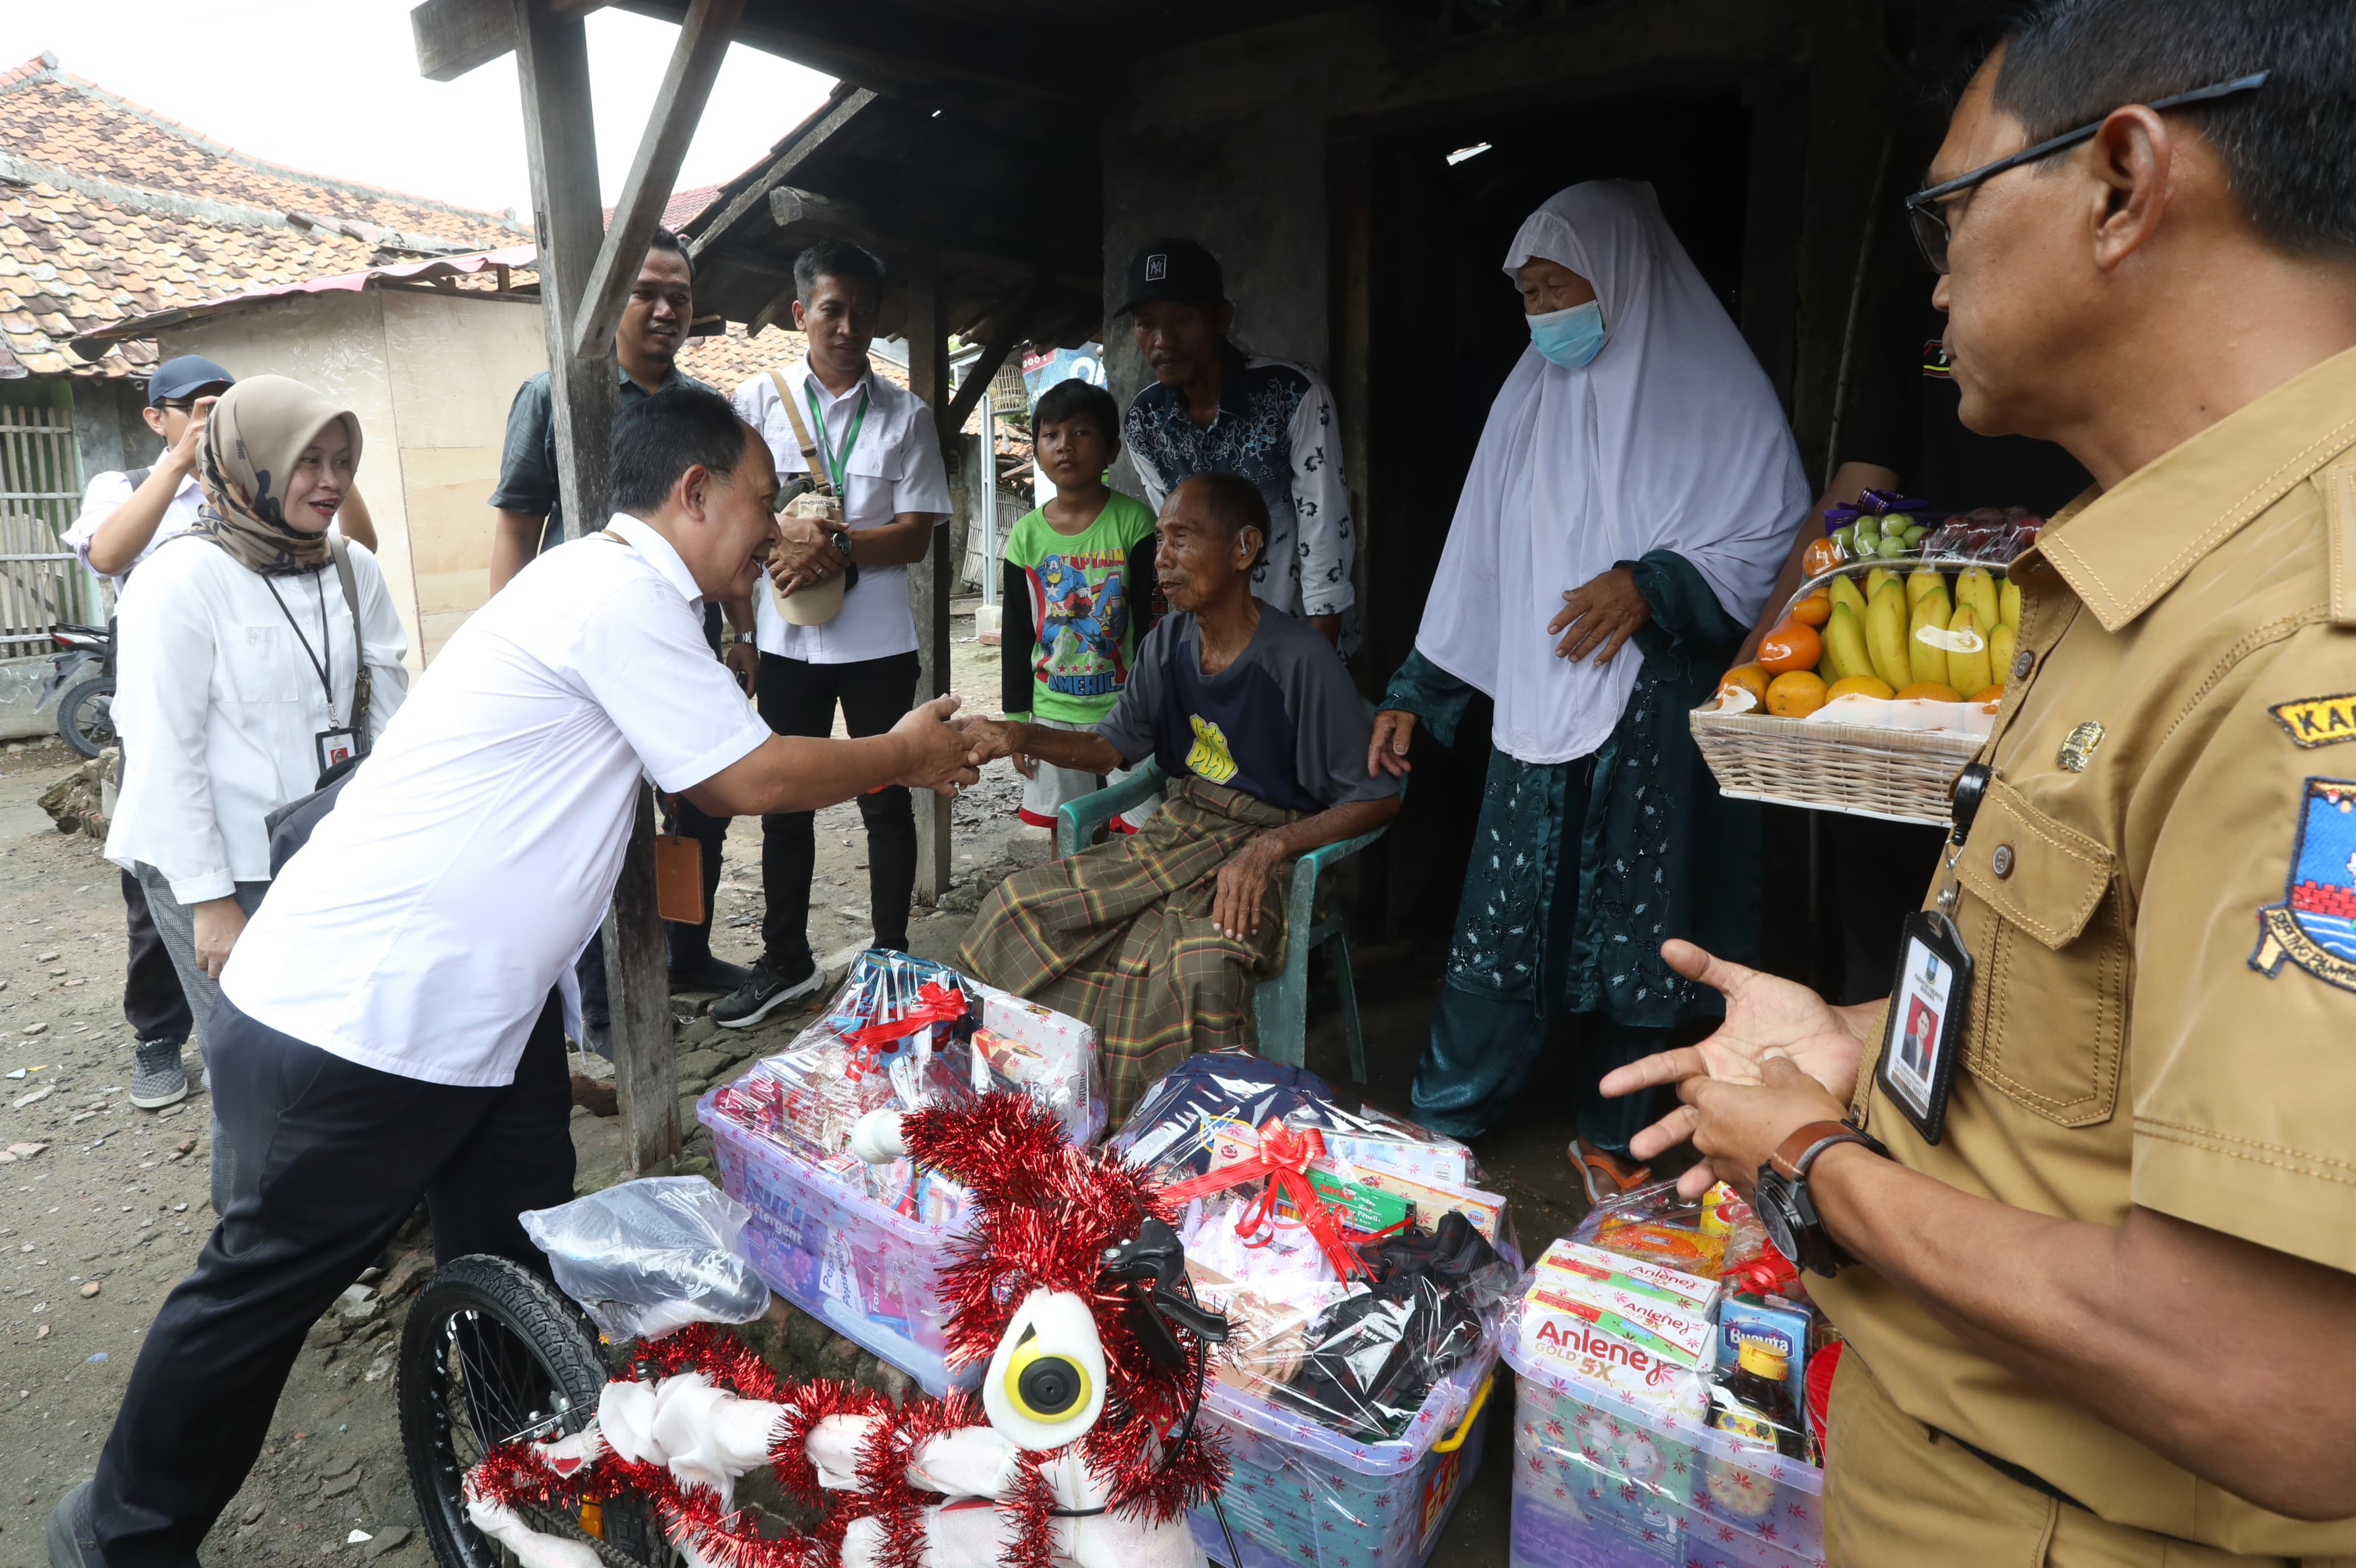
(929, 579)
(704, 38)
(552, 67)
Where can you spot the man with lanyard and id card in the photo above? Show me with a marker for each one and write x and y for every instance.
(2080, 1196)
(881, 453)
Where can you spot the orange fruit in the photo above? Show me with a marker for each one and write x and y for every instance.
(1790, 647)
(1747, 677)
(1860, 686)
(1795, 693)
(1929, 691)
(1989, 693)
(1815, 609)
(1820, 557)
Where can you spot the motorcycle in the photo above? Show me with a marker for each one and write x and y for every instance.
(84, 666)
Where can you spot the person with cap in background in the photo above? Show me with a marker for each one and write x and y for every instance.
(124, 516)
(1213, 408)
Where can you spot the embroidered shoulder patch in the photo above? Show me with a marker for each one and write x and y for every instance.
(2318, 720)
(2314, 925)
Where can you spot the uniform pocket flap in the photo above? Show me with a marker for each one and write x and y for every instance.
(2037, 873)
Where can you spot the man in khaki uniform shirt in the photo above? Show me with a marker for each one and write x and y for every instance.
(2109, 1316)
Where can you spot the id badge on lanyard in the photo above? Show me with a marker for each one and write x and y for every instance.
(1930, 999)
(337, 746)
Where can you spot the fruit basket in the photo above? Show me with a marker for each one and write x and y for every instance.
(1884, 676)
(1867, 770)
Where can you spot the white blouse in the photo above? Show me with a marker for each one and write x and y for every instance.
(218, 702)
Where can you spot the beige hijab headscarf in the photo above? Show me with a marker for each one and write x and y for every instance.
(256, 432)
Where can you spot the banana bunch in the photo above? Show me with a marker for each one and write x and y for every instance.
(1920, 634)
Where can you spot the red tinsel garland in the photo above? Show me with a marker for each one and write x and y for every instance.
(1046, 1213)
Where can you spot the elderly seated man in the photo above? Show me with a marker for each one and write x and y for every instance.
(1156, 939)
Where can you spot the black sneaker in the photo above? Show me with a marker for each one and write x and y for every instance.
(72, 1539)
(712, 975)
(158, 1077)
(762, 994)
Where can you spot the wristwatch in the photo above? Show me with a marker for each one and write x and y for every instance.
(842, 543)
(1787, 1209)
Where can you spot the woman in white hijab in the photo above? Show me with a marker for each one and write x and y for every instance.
(1628, 507)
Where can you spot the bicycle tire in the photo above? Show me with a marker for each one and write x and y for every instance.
(495, 1309)
(70, 724)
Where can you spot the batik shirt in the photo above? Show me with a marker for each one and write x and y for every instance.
(1276, 428)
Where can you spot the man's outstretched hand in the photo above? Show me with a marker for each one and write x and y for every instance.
(1764, 1017)
(986, 740)
(938, 748)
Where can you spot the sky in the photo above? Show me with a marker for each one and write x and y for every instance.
(334, 89)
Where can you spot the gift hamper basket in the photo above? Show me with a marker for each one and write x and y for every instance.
(857, 1245)
(1668, 1406)
(1885, 674)
(1363, 1271)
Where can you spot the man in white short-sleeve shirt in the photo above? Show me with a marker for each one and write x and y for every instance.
(395, 1033)
(881, 450)
(135, 512)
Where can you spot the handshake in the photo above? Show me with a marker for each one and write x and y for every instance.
(945, 749)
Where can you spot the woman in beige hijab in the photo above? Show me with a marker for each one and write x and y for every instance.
(244, 670)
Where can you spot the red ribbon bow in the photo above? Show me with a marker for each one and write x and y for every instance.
(936, 1003)
(1283, 1157)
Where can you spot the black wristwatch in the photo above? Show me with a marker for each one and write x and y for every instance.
(1785, 1206)
(842, 543)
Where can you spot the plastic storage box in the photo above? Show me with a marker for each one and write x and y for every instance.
(1603, 1481)
(1301, 1494)
(861, 1267)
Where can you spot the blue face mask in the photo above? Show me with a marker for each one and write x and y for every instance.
(1568, 338)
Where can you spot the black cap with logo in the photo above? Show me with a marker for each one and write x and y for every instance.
(1175, 270)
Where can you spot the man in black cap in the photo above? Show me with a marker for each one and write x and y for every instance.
(1214, 409)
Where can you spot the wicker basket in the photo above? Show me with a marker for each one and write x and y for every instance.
(1898, 776)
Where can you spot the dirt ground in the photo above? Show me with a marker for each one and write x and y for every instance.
(103, 1208)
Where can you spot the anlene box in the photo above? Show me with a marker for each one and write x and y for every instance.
(1665, 1331)
(1692, 1291)
(1572, 1342)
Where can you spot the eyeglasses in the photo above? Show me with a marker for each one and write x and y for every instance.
(1927, 210)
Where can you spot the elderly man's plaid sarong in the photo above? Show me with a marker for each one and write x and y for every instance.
(1120, 936)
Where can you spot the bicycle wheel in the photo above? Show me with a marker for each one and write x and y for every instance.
(494, 1354)
(85, 715)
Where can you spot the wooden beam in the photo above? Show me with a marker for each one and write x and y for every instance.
(695, 59)
(453, 37)
(809, 140)
(637, 993)
(929, 579)
(1013, 324)
(560, 141)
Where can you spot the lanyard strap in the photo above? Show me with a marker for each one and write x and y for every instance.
(322, 661)
(835, 467)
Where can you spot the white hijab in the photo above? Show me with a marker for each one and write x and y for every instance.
(1669, 439)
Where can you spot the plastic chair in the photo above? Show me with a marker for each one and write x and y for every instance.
(1280, 1005)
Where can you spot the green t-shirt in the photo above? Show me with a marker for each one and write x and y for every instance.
(1075, 603)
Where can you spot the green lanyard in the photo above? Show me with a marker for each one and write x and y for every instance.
(835, 467)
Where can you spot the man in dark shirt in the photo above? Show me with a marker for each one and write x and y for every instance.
(1156, 939)
(655, 323)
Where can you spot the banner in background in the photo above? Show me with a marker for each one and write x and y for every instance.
(1044, 368)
